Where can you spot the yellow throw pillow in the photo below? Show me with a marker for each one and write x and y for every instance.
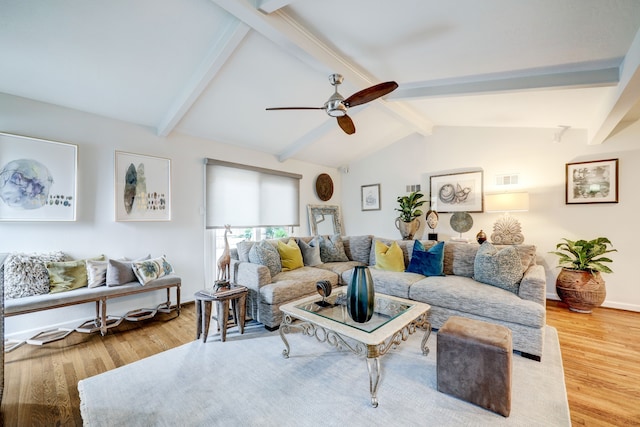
(290, 255)
(389, 258)
(68, 275)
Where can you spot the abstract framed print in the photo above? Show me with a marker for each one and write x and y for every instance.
(142, 187)
(38, 179)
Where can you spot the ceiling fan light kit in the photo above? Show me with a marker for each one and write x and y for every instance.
(336, 106)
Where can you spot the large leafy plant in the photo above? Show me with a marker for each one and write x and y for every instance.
(583, 254)
(409, 206)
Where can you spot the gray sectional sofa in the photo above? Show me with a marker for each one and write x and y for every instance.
(454, 293)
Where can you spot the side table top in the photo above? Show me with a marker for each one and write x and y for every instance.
(234, 290)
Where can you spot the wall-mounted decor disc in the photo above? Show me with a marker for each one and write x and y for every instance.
(324, 187)
(461, 222)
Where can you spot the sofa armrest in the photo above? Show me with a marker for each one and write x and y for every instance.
(533, 286)
(253, 276)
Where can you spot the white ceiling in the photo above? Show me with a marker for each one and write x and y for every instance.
(209, 68)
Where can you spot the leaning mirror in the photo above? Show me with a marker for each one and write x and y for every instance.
(324, 220)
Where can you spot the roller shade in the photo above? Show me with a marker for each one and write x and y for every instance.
(248, 196)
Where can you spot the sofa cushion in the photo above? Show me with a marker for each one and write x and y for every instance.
(390, 257)
(466, 295)
(68, 275)
(290, 255)
(265, 254)
(428, 262)
(340, 268)
(332, 249)
(464, 256)
(26, 274)
(289, 285)
(310, 252)
(392, 283)
(358, 248)
(501, 268)
(96, 273)
(151, 269)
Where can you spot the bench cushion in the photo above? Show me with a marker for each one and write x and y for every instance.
(43, 302)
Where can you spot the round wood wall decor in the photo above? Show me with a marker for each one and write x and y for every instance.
(324, 187)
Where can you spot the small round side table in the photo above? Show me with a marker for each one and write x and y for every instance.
(237, 294)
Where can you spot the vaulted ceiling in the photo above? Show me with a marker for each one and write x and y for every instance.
(209, 68)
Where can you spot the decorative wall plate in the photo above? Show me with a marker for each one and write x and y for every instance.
(324, 187)
(461, 222)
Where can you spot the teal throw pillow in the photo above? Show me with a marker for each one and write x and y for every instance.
(500, 268)
(428, 262)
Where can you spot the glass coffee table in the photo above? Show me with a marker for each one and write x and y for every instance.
(394, 319)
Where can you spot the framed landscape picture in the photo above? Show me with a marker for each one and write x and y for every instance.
(592, 182)
(38, 179)
(142, 187)
(370, 197)
(457, 192)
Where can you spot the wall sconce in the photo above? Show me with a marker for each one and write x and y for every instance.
(507, 229)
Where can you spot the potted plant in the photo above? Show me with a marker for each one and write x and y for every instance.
(408, 223)
(580, 284)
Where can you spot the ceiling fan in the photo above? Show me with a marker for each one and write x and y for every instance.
(336, 106)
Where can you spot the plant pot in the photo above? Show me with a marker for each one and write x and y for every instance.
(581, 290)
(361, 295)
(407, 229)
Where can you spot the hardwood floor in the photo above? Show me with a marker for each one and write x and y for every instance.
(601, 358)
(600, 351)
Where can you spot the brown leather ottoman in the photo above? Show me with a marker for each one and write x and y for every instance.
(474, 363)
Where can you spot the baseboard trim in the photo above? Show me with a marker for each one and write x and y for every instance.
(607, 304)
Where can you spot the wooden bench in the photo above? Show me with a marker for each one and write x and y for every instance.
(100, 296)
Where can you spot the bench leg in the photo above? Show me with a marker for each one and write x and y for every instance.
(103, 317)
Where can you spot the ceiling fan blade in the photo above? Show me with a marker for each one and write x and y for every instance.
(346, 124)
(295, 108)
(370, 93)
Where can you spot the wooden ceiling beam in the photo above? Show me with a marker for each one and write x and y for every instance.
(297, 41)
(227, 42)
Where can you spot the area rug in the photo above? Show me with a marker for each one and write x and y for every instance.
(247, 382)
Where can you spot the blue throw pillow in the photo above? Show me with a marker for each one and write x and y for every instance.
(427, 262)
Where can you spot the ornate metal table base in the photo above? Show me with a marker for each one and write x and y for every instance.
(372, 352)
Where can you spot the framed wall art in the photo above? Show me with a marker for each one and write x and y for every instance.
(457, 192)
(370, 197)
(38, 179)
(142, 187)
(592, 182)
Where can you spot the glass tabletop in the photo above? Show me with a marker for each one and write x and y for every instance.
(335, 308)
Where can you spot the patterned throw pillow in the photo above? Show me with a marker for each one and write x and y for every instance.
(428, 262)
(290, 255)
(26, 274)
(500, 268)
(264, 253)
(68, 275)
(310, 252)
(151, 269)
(332, 249)
(389, 258)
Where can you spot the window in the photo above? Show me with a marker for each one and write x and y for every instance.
(258, 203)
(246, 196)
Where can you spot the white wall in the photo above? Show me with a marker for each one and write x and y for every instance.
(95, 231)
(541, 166)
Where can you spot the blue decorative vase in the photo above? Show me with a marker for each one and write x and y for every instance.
(360, 295)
